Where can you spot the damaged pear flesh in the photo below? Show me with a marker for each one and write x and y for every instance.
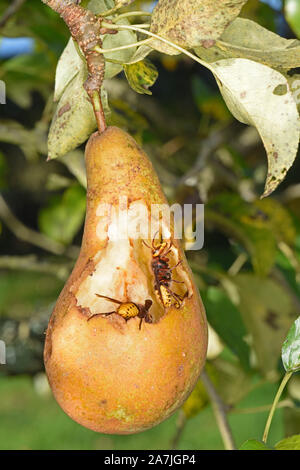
(109, 373)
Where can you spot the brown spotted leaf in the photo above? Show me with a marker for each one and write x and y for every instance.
(294, 82)
(141, 75)
(69, 64)
(248, 40)
(191, 23)
(74, 119)
(262, 97)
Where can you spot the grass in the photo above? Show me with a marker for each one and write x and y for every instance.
(31, 420)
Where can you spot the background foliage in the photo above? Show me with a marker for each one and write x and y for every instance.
(248, 272)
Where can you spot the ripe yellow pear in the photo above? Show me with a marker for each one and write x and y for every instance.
(127, 340)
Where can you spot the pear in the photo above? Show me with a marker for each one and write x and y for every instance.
(127, 339)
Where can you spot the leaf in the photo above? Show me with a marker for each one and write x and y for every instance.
(233, 381)
(56, 182)
(3, 173)
(278, 219)
(249, 225)
(123, 3)
(267, 311)
(22, 293)
(248, 40)
(68, 66)
(74, 119)
(191, 23)
(29, 141)
(100, 6)
(199, 398)
(70, 63)
(141, 52)
(260, 96)
(141, 76)
(226, 320)
(290, 352)
(27, 73)
(289, 443)
(64, 216)
(292, 14)
(110, 41)
(254, 444)
(294, 83)
(196, 401)
(74, 161)
(122, 115)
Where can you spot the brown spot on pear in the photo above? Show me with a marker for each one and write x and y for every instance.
(105, 372)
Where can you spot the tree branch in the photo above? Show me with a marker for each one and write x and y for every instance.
(180, 425)
(220, 410)
(31, 236)
(86, 28)
(31, 263)
(10, 11)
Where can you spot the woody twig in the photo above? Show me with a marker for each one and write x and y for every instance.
(85, 29)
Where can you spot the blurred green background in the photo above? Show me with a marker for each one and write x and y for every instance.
(248, 272)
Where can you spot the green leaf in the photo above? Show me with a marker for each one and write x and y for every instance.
(278, 219)
(3, 171)
(100, 6)
(75, 163)
(290, 443)
(68, 66)
(191, 23)
(110, 41)
(233, 381)
(140, 54)
(246, 39)
(15, 133)
(196, 401)
(64, 216)
(74, 119)
(27, 73)
(292, 14)
(254, 444)
(249, 225)
(290, 353)
(141, 75)
(266, 310)
(123, 3)
(226, 320)
(294, 83)
(22, 293)
(250, 91)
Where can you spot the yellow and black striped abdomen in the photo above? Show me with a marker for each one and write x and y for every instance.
(128, 310)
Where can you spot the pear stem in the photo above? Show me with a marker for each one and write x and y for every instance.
(98, 111)
(156, 36)
(126, 46)
(132, 13)
(284, 381)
